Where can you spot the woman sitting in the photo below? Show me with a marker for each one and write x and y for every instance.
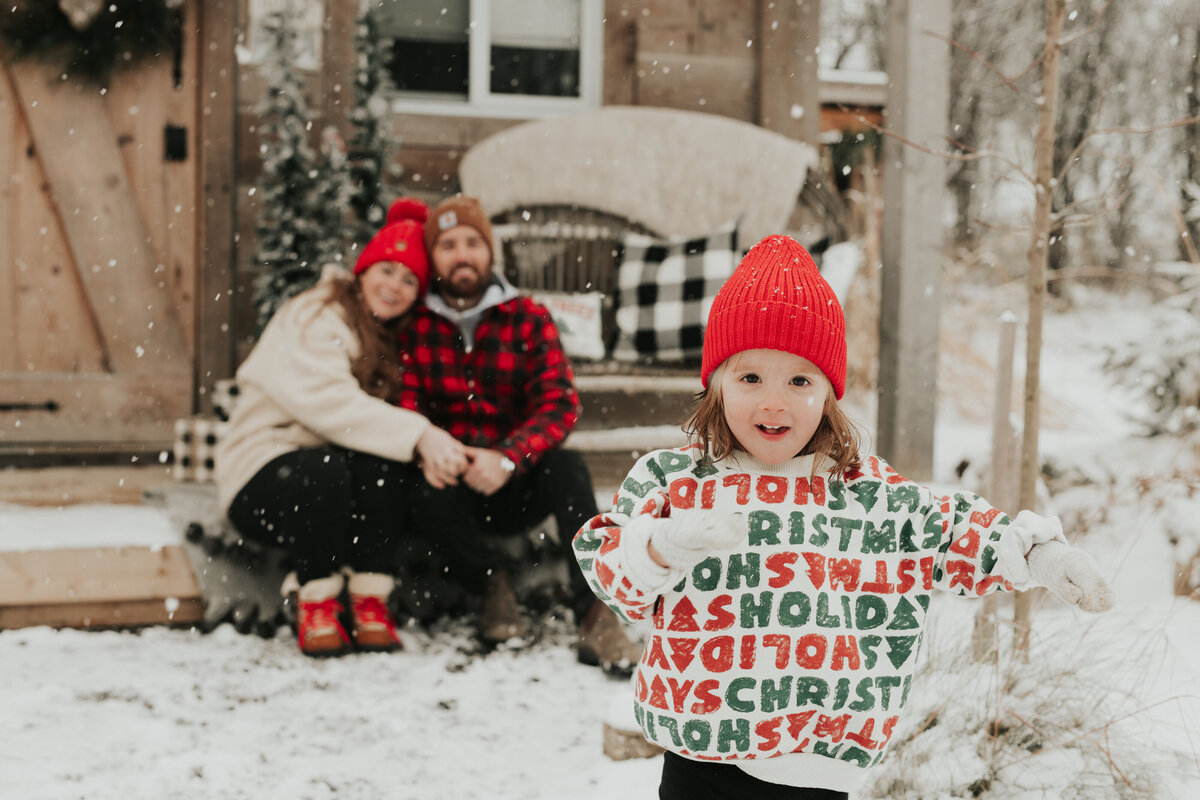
(308, 462)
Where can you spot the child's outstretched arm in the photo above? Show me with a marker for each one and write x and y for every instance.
(1070, 573)
(983, 550)
(614, 549)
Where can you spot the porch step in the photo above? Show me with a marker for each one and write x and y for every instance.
(81, 566)
(621, 400)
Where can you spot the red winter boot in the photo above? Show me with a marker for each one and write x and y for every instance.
(374, 625)
(318, 629)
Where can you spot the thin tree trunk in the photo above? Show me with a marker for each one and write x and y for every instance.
(1191, 140)
(1036, 282)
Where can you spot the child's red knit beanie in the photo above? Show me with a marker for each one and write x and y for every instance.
(777, 300)
(401, 239)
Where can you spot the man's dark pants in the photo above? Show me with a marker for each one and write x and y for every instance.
(462, 526)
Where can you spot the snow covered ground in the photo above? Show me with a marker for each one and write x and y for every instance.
(175, 714)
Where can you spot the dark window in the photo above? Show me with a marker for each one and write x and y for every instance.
(423, 66)
(525, 70)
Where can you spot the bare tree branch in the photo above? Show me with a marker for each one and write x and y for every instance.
(1178, 123)
(1007, 81)
(946, 154)
(1001, 228)
(1059, 219)
(1096, 21)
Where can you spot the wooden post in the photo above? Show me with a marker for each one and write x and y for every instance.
(788, 84)
(914, 185)
(620, 53)
(216, 201)
(1002, 492)
(337, 63)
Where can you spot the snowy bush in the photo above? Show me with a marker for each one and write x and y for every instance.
(372, 149)
(1063, 724)
(303, 197)
(1168, 371)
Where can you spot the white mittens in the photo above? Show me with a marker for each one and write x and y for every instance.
(688, 537)
(1027, 529)
(1033, 551)
(1071, 575)
(682, 540)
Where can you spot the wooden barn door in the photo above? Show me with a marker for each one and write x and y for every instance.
(98, 251)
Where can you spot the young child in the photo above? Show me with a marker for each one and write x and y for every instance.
(789, 577)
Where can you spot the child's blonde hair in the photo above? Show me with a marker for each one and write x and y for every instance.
(836, 437)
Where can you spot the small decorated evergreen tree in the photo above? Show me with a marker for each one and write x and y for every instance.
(371, 153)
(302, 192)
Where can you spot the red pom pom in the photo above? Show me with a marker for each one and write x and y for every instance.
(407, 208)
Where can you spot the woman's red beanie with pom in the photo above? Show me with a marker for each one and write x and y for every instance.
(401, 239)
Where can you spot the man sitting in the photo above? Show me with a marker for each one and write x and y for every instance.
(485, 364)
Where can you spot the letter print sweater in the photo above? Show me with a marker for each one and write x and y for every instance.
(793, 653)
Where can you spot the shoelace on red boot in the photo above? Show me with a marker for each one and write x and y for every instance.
(320, 615)
(370, 611)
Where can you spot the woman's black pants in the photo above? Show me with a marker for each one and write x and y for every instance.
(328, 507)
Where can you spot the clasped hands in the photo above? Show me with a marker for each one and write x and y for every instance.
(445, 461)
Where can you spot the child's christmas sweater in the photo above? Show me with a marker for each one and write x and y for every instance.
(793, 653)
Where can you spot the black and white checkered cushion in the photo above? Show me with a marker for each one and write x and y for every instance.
(664, 292)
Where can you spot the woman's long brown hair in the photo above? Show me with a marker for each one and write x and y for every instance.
(836, 436)
(377, 368)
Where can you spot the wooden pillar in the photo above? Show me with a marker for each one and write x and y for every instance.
(914, 185)
(338, 60)
(788, 85)
(620, 52)
(216, 199)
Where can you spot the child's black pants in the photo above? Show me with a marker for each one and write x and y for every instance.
(685, 779)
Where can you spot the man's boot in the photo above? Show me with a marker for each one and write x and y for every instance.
(319, 630)
(602, 642)
(374, 625)
(501, 618)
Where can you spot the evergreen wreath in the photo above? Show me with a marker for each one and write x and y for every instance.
(118, 32)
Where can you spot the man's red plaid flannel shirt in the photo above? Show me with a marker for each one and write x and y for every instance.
(514, 391)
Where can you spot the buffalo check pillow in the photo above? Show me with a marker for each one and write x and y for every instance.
(664, 292)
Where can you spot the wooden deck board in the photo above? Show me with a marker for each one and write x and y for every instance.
(98, 587)
(56, 486)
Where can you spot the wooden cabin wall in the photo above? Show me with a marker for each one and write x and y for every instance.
(694, 55)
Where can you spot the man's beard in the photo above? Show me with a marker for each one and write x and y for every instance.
(457, 287)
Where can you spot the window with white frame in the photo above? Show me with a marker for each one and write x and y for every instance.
(516, 57)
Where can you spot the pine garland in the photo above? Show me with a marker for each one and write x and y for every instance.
(302, 192)
(121, 33)
(371, 150)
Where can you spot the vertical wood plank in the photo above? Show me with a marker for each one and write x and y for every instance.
(215, 199)
(8, 191)
(788, 84)
(620, 53)
(338, 60)
(178, 249)
(55, 327)
(914, 183)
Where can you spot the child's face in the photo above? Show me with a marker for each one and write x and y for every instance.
(774, 402)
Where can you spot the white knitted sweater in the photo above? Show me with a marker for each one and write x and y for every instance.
(793, 654)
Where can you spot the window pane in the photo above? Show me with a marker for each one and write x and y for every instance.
(535, 47)
(427, 20)
(525, 70)
(429, 66)
(429, 44)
